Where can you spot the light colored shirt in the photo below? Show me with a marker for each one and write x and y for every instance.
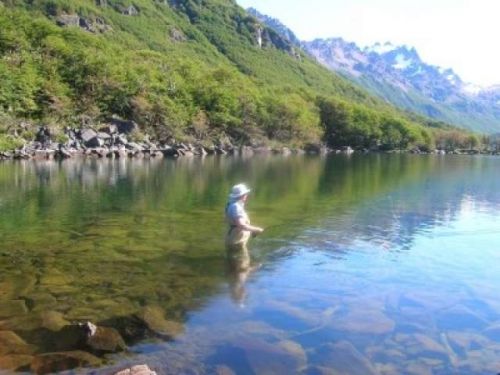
(234, 211)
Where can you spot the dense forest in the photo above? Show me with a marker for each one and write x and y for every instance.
(192, 70)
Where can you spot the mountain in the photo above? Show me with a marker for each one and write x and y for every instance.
(398, 75)
(198, 71)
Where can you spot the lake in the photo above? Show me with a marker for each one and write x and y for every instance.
(370, 264)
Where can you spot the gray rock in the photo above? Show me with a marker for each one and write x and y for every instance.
(130, 11)
(104, 136)
(88, 134)
(121, 140)
(177, 35)
(68, 20)
(134, 146)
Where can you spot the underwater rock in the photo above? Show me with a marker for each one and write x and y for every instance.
(11, 343)
(154, 318)
(258, 328)
(291, 311)
(42, 301)
(343, 358)
(17, 286)
(429, 346)
(105, 339)
(15, 362)
(224, 370)
(53, 320)
(55, 277)
(364, 322)
(296, 350)
(12, 308)
(62, 361)
(421, 346)
(264, 358)
(417, 368)
(465, 341)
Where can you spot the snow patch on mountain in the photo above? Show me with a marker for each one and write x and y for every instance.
(380, 48)
(402, 62)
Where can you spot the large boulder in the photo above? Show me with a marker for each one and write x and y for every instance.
(88, 134)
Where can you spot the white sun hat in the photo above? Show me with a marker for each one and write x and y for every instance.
(238, 191)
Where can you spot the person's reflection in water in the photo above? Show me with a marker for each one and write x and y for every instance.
(238, 234)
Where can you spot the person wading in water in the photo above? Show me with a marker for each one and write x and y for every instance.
(237, 236)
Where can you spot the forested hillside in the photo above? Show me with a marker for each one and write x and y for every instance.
(190, 70)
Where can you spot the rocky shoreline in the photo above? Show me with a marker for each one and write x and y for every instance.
(118, 139)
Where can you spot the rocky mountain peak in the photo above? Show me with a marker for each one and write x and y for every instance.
(398, 74)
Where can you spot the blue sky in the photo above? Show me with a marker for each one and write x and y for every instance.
(458, 34)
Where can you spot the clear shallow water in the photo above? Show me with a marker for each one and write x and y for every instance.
(382, 264)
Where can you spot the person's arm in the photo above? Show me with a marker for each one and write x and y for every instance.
(243, 225)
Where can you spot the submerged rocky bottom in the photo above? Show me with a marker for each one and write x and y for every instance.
(370, 265)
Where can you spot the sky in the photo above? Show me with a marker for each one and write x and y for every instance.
(459, 34)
